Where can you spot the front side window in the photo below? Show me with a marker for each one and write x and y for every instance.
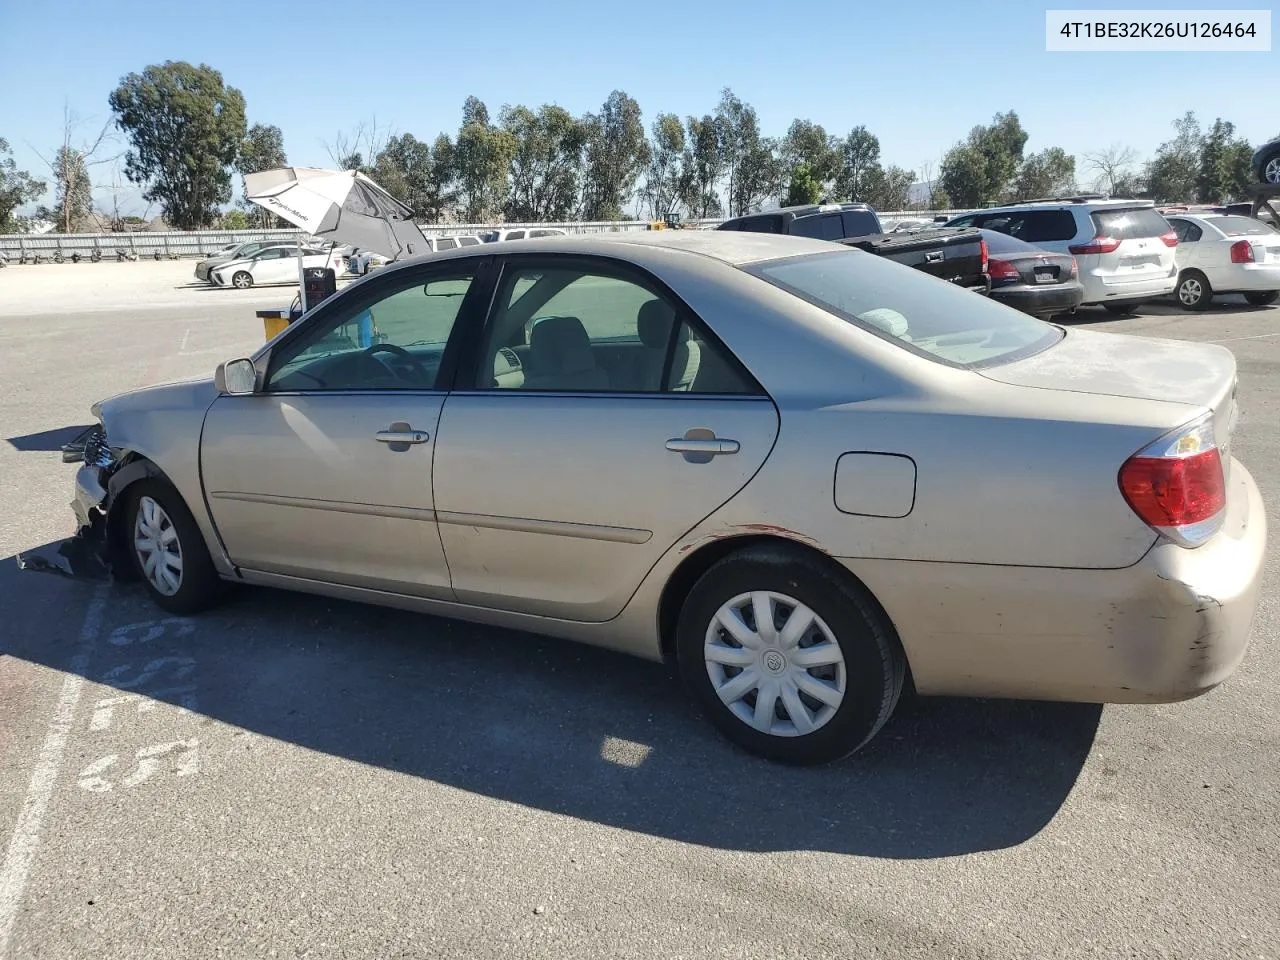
(578, 330)
(395, 342)
(938, 320)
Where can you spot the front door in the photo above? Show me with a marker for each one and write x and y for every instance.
(604, 423)
(276, 265)
(325, 473)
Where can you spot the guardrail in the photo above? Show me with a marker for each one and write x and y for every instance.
(196, 243)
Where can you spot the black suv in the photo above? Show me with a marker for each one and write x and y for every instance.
(821, 221)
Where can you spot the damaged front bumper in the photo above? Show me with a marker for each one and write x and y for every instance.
(87, 554)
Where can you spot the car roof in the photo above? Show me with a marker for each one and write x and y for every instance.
(1069, 203)
(645, 247)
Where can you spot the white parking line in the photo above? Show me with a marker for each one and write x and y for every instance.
(26, 835)
(1260, 336)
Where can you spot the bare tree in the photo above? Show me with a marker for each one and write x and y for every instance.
(70, 165)
(359, 148)
(1111, 166)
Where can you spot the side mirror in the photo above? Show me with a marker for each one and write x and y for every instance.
(236, 377)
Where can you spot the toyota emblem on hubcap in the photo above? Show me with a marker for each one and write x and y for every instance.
(774, 662)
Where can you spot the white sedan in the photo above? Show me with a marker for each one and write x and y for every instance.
(272, 265)
(1219, 253)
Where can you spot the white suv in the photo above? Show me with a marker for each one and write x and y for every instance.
(1125, 248)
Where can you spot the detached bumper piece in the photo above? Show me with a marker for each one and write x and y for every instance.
(84, 556)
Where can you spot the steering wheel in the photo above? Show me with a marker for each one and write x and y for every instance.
(403, 354)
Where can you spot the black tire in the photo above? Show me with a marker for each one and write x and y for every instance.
(1270, 165)
(1262, 299)
(199, 587)
(242, 280)
(1193, 291)
(873, 659)
(1122, 309)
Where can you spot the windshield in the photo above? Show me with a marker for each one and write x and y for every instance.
(920, 313)
(1242, 226)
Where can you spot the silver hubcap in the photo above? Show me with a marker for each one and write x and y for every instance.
(155, 541)
(240, 280)
(1190, 291)
(775, 664)
(1272, 170)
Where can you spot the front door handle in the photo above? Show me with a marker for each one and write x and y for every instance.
(401, 432)
(700, 445)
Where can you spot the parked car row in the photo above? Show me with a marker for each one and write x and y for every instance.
(1030, 279)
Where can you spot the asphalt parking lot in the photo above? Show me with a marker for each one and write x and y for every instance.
(293, 776)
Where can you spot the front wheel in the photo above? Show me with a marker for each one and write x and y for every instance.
(242, 280)
(1262, 299)
(168, 549)
(787, 658)
(1194, 292)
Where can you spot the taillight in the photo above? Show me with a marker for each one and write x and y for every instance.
(1002, 270)
(1098, 244)
(1242, 252)
(1177, 486)
(1075, 267)
(1170, 239)
(982, 245)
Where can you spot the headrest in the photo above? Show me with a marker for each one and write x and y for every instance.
(561, 344)
(653, 323)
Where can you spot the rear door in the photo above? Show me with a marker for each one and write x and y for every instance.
(563, 474)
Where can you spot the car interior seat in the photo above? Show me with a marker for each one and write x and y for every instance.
(560, 357)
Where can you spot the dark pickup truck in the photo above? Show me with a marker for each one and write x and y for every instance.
(955, 254)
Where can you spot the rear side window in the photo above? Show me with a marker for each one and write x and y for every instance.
(824, 227)
(937, 320)
(468, 241)
(1242, 226)
(1134, 223)
(860, 223)
(1039, 226)
(515, 235)
(446, 243)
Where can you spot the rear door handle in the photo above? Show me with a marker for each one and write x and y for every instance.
(700, 445)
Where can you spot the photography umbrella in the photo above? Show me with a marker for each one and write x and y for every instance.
(343, 205)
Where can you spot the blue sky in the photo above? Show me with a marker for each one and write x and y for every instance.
(919, 74)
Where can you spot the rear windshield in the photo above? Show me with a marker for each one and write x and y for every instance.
(1133, 223)
(1003, 243)
(1242, 226)
(930, 317)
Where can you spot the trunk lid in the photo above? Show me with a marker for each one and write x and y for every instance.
(1116, 365)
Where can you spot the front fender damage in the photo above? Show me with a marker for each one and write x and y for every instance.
(94, 551)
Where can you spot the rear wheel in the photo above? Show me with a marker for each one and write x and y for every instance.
(1262, 299)
(787, 658)
(242, 280)
(1194, 292)
(168, 549)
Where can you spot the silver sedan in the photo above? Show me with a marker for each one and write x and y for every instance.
(803, 475)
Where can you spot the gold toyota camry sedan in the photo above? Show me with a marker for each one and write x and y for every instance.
(798, 472)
